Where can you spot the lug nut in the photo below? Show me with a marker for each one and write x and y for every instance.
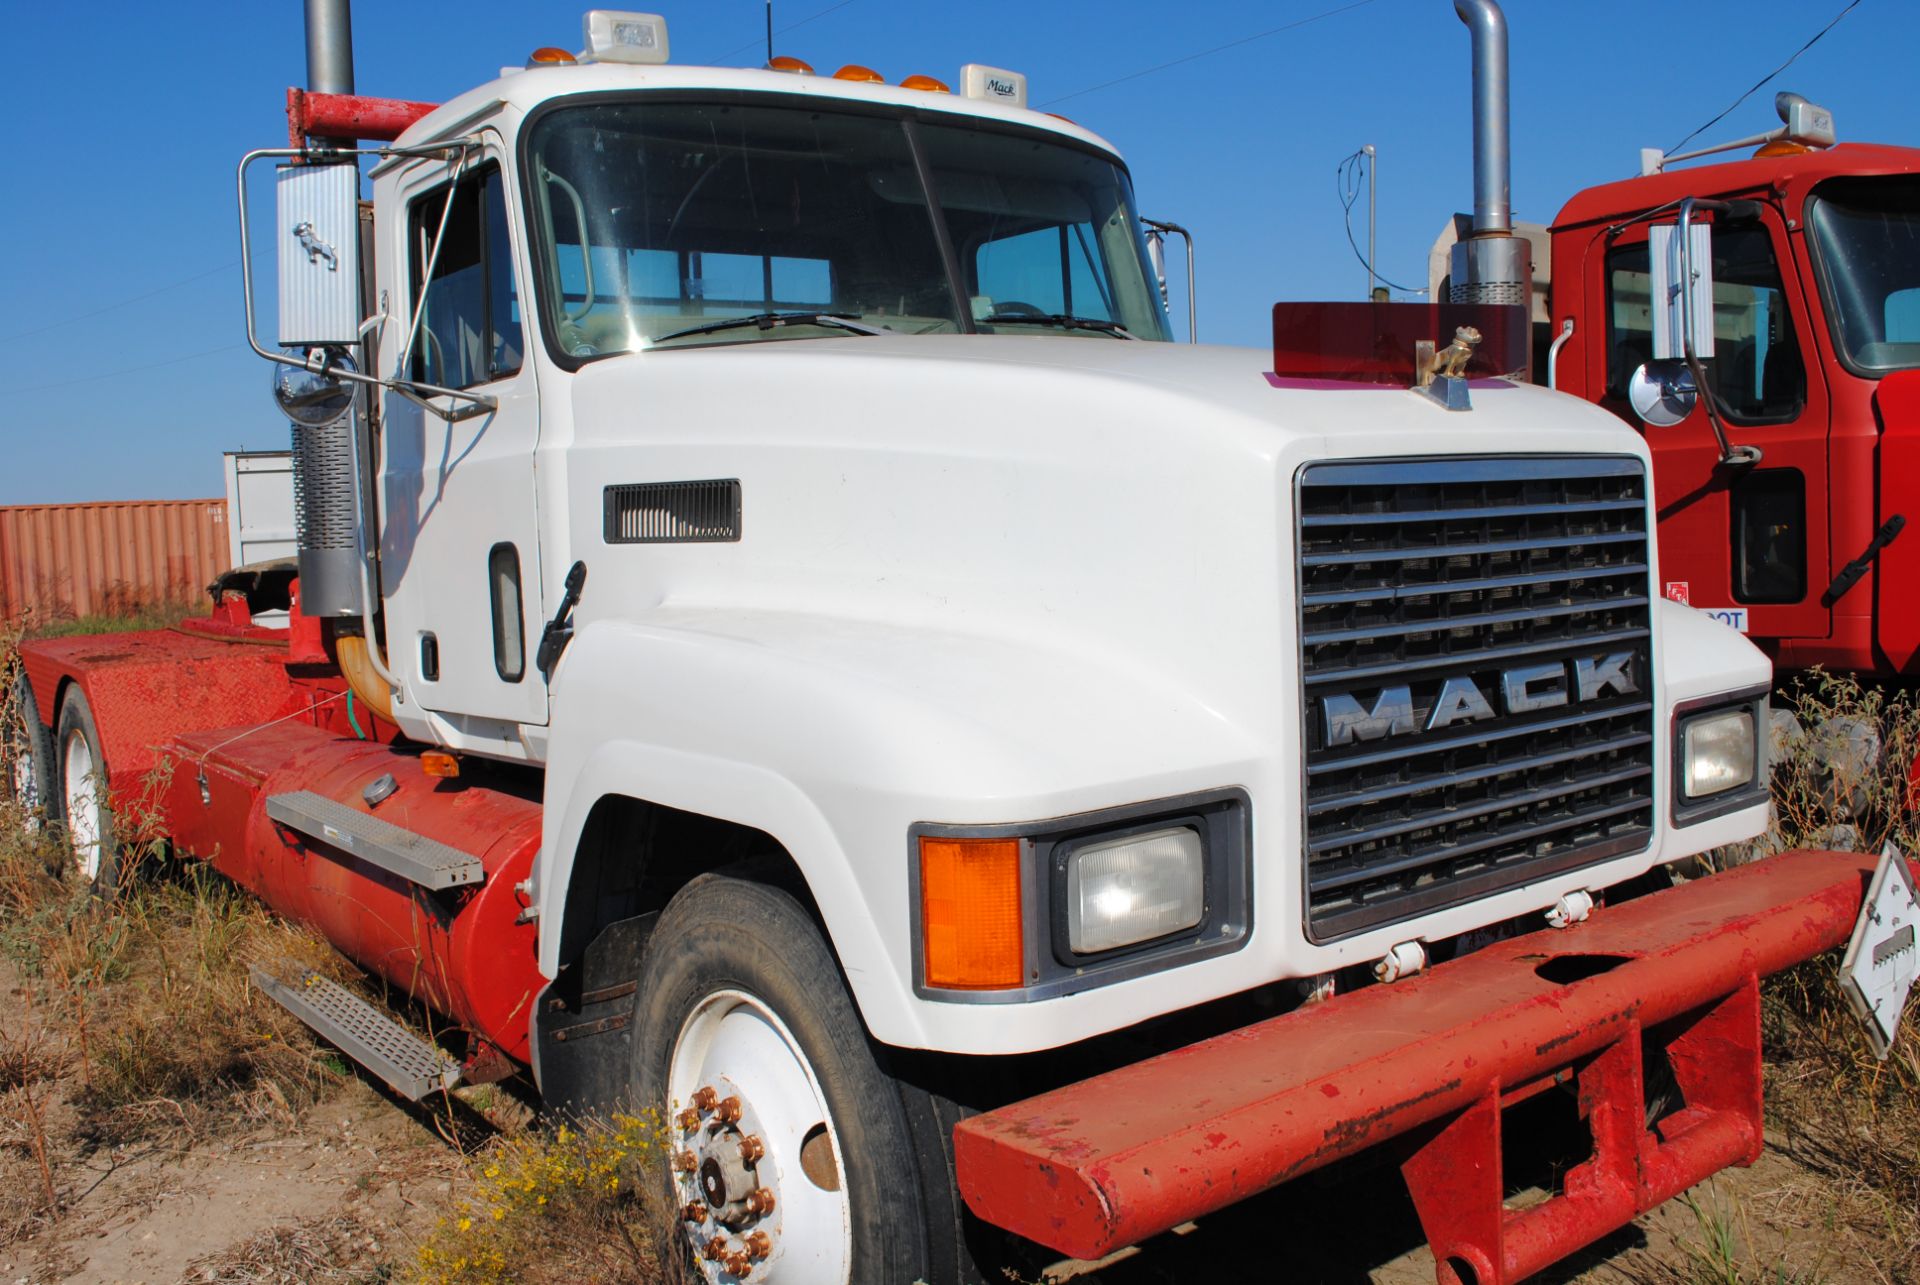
(760, 1201)
(693, 1212)
(758, 1244)
(704, 1098)
(688, 1120)
(728, 1110)
(737, 1264)
(751, 1148)
(685, 1162)
(716, 1249)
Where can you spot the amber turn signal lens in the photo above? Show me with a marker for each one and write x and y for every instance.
(784, 63)
(437, 763)
(548, 55)
(927, 83)
(970, 914)
(854, 71)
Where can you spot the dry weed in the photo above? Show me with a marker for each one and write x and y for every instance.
(339, 1250)
(556, 1207)
(1841, 759)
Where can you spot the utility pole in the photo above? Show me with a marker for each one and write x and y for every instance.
(1373, 166)
(769, 33)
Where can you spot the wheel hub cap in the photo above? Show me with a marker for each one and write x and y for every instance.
(747, 1107)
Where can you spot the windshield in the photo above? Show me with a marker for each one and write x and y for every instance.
(1867, 233)
(654, 219)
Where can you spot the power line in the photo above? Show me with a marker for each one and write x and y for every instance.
(1207, 53)
(1346, 186)
(1764, 79)
(118, 371)
(124, 303)
(784, 30)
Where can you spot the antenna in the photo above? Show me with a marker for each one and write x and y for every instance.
(769, 33)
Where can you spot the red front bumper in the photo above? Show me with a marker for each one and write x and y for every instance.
(1112, 1160)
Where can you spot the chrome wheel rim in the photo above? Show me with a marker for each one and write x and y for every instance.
(738, 1077)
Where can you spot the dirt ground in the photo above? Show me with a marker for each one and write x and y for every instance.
(338, 1192)
(347, 1190)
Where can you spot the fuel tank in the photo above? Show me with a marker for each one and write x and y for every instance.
(462, 951)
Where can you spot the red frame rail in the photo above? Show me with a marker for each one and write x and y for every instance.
(1110, 1161)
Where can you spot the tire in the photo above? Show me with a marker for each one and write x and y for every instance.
(26, 757)
(739, 993)
(91, 841)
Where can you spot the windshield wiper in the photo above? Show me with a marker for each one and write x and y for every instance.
(769, 320)
(1060, 319)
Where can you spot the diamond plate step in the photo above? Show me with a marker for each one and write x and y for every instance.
(411, 1066)
(414, 857)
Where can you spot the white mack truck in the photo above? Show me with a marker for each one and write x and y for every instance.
(781, 635)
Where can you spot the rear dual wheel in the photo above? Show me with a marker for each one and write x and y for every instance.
(796, 1159)
(91, 839)
(26, 755)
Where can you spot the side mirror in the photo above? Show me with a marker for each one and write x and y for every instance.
(1680, 264)
(318, 212)
(314, 398)
(1663, 392)
(1157, 255)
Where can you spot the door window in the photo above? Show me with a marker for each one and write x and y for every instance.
(470, 315)
(1756, 370)
(509, 619)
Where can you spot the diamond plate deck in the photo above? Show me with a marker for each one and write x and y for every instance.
(411, 1066)
(413, 857)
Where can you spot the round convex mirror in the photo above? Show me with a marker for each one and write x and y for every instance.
(311, 399)
(1662, 392)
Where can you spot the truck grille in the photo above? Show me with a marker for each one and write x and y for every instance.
(1478, 677)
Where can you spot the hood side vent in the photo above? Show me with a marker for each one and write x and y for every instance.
(673, 512)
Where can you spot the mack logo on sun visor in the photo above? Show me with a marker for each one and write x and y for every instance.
(1519, 690)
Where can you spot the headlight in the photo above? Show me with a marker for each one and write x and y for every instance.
(1017, 912)
(1124, 891)
(1717, 753)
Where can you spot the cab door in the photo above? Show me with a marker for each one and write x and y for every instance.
(460, 557)
(1749, 545)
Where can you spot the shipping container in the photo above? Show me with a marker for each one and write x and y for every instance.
(65, 560)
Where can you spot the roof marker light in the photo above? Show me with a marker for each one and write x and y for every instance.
(548, 56)
(927, 83)
(854, 71)
(615, 36)
(798, 66)
(993, 84)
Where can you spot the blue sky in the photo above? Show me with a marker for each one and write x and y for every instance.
(132, 117)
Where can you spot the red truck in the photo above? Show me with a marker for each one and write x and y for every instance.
(1787, 460)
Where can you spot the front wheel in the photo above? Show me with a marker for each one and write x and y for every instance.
(794, 1159)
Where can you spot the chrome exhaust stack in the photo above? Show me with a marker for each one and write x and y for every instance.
(1491, 265)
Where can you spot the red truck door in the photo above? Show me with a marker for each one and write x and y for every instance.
(1748, 544)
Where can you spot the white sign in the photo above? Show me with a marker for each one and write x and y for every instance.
(1883, 957)
(1731, 617)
